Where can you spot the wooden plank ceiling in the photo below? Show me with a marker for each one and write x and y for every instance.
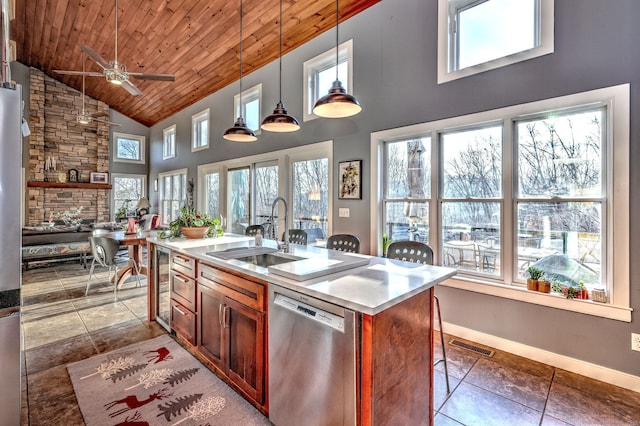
(196, 40)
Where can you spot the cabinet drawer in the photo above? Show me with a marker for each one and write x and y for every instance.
(183, 264)
(183, 322)
(183, 289)
(249, 293)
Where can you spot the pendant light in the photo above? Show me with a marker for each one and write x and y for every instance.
(337, 103)
(280, 120)
(240, 132)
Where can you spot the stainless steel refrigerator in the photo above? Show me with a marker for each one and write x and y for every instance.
(10, 241)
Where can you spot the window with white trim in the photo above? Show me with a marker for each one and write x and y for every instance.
(169, 142)
(129, 148)
(127, 191)
(244, 189)
(173, 194)
(250, 108)
(479, 35)
(320, 73)
(521, 186)
(200, 130)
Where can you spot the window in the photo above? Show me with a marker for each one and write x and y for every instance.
(407, 189)
(173, 194)
(169, 142)
(129, 148)
(127, 191)
(244, 190)
(310, 203)
(479, 35)
(542, 184)
(250, 108)
(200, 130)
(320, 73)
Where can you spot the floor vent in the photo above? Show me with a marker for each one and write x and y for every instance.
(472, 348)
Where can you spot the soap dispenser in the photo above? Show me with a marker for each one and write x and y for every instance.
(258, 238)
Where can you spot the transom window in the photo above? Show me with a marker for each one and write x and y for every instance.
(478, 35)
(320, 73)
(169, 142)
(129, 148)
(250, 108)
(519, 187)
(200, 130)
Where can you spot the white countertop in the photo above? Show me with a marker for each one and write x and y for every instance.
(362, 283)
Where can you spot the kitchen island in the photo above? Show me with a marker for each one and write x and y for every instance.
(222, 291)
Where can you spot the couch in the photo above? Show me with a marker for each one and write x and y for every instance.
(59, 241)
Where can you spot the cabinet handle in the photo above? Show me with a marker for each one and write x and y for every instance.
(206, 277)
(220, 306)
(182, 260)
(183, 280)
(180, 311)
(224, 316)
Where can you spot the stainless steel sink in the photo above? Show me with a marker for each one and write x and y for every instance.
(268, 259)
(259, 256)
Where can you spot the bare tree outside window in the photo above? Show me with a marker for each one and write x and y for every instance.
(311, 195)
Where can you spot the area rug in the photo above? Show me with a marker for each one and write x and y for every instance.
(156, 382)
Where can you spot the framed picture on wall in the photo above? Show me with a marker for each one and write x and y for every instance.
(350, 180)
(99, 177)
(74, 175)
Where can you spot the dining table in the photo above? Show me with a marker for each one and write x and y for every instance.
(135, 242)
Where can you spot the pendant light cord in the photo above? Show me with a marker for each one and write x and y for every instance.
(337, 22)
(280, 50)
(240, 114)
(116, 52)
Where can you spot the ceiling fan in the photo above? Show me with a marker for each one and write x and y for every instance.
(83, 117)
(114, 71)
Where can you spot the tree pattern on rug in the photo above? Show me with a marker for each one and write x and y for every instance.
(204, 409)
(173, 408)
(180, 377)
(107, 368)
(129, 371)
(151, 378)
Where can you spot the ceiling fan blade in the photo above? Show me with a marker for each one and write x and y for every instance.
(161, 77)
(90, 74)
(131, 88)
(110, 123)
(99, 114)
(94, 55)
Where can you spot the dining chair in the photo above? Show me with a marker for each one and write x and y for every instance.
(344, 242)
(297, 236)
(104, 251)
(252, 230)
(417, 252)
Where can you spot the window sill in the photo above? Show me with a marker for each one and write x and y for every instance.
(604, 310)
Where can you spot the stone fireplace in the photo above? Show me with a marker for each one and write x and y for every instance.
(57, 136)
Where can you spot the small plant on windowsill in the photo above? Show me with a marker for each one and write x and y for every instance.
(534, 275)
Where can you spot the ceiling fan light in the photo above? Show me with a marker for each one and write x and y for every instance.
(240, 132)
(280, 121)
(337, 103)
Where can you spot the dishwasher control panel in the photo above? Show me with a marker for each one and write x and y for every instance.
(312, 312)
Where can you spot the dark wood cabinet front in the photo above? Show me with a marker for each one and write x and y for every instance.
(231, 334)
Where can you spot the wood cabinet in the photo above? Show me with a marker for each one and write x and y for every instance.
(183, 297)
(231, 328)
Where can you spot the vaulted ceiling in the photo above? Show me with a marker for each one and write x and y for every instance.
(196, 40)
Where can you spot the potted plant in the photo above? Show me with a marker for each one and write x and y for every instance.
(544, 285)
(194, 224)
(583, 293)
(534, 275)
(385, 244)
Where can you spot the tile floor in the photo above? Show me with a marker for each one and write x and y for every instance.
(61, 325)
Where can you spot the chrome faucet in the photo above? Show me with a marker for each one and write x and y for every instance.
(284, 246)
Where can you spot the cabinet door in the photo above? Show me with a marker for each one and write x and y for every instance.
(245, 342)
(210, 311)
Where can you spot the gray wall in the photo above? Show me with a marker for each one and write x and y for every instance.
(596, 45)
(129, 126)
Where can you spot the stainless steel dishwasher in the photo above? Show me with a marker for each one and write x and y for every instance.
(312, 365)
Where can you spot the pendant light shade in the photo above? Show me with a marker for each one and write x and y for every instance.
(240, 132)
(280, 120)
(337, 103)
